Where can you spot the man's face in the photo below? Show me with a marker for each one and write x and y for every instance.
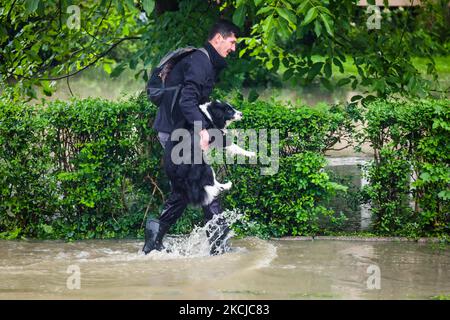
(224, 46)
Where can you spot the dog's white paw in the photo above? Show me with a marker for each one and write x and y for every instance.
(227, 186)
(251, 154)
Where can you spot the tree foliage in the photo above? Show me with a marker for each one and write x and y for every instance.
(42, 41)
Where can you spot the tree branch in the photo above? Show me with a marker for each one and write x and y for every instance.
(85, 67)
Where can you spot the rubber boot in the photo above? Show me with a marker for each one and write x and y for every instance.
(154, 233)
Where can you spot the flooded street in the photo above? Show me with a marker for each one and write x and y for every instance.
(253, 269)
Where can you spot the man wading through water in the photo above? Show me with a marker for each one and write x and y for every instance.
(197, 73)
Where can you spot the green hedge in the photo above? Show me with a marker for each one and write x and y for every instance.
(288, 202)
(78, 169)
(92, 169)
(410, 175)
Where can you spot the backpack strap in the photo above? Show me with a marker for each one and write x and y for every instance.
(177, 52)
(205, 52)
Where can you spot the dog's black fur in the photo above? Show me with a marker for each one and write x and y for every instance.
(190, 179)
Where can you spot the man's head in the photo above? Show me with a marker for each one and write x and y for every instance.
(223, 36)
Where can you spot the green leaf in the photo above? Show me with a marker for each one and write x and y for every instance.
(239, 16)
(327, 69)
(315, 69)
(310, 16)
(242, 51)
(145, 76)
(268, 24)
(356, 98)
(271, 33)
(148, 5)
(264, 10)
(343, 82)
(46, 88)
(107, 68)
(47, 228)
(425, 176)
(338, 63)
(445, 195)
(302, 8)
(285, 4)
(133, 63)
(31, 92)
(120, 8)
(33, 53)
(317, 28)
(284, 30)
(31, 6)
(326, 22)
(117, 70)
(10, 235)
(287, 15)
(288, 74)
(129, 4)
(258, 2)
(326, 83)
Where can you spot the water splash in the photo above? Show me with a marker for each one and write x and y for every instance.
(266, 259)
(210, 239)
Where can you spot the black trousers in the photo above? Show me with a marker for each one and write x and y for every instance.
(176, 203)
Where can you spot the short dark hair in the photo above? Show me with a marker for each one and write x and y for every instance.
(225, 28)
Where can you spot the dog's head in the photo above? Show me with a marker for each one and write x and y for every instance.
(221, 114)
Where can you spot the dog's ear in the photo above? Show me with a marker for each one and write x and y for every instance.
(217, 113)
(213, 106)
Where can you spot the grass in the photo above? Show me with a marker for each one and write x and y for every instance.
(441, 297)
(96, 83)
(442, 66)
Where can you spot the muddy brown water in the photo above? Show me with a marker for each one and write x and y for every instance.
(253, 269)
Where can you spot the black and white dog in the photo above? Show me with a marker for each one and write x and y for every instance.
(184, 163)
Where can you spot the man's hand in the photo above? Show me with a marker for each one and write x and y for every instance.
(204, 139)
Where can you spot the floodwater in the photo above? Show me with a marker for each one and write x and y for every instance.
(253, 269)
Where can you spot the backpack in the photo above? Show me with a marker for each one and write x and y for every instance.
(156, 87)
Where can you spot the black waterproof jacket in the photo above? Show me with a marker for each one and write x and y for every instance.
(197, 73)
